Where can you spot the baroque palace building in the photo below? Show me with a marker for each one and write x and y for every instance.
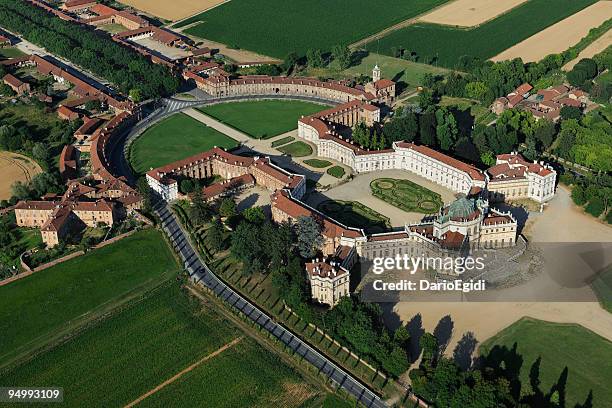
(467, 223)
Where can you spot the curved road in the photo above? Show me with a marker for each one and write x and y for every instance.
(200, 273)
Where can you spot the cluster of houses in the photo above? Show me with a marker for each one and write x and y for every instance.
(543, 103)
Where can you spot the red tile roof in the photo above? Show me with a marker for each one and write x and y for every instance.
(472, 171)
(283, 201)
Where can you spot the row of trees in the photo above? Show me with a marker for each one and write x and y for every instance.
(89, 49)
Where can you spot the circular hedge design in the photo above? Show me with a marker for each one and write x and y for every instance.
(406, 195)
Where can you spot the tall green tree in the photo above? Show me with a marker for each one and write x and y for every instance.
(309, 237)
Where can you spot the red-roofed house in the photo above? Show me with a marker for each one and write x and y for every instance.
(17, 85)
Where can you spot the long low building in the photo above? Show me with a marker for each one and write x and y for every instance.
(164, 180)
(219, 83)
(512, 173)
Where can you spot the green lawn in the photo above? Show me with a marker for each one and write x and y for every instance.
(336, 171)
(317, 163)
(355, 214)
(11, 52)
(149, 341)
(587, 356)
(406, 195)
(296, 149)
(602, 286)
(448, 44)
(174, 138)
(395, 68)
(262, 119)
(270, 27)
(282, 141)
(38, 307)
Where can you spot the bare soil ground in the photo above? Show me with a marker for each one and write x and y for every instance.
(594, 48)
(172, 10)
(15, 167)
(560, 222)
(560, 36)
(469, 13)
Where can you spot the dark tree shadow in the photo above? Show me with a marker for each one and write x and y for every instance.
(443, 333)
(560, 387)
(462, 355)
(588, 403)
(506, 363)
(416, 331)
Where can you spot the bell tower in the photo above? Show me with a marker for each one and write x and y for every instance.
(376, 74)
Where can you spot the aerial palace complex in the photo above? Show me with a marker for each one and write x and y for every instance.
(468, 222)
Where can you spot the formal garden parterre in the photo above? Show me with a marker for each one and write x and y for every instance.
(406, 195)
(355, 214)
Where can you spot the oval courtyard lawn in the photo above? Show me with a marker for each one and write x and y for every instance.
(48, 302)
(262, 119)
(174, 138)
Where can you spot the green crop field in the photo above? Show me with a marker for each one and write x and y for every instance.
(587, 356)
(406, 195)
(174, 138)
(262, 119)
(354, 214)
(277, 27)
(296, 149)
(38, 307)
(447, 44)
(149, 341)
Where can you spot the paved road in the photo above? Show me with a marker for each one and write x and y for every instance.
(199, 273)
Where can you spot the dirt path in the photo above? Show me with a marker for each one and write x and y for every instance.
(593, 49)
(217, 125)
(185, 371)
(560, 36)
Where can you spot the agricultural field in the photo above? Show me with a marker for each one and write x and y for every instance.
(150, 341)
(276, 27)
(406, 195)
(174, 138)
(15, 167)
(597, 46)
(556, 344)
(444, 45)
(174, 10)
(296, 149)
(355, 214)
(400, 70)
(559, 37)
(72, 292)
(469, 13)
(262, 119)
